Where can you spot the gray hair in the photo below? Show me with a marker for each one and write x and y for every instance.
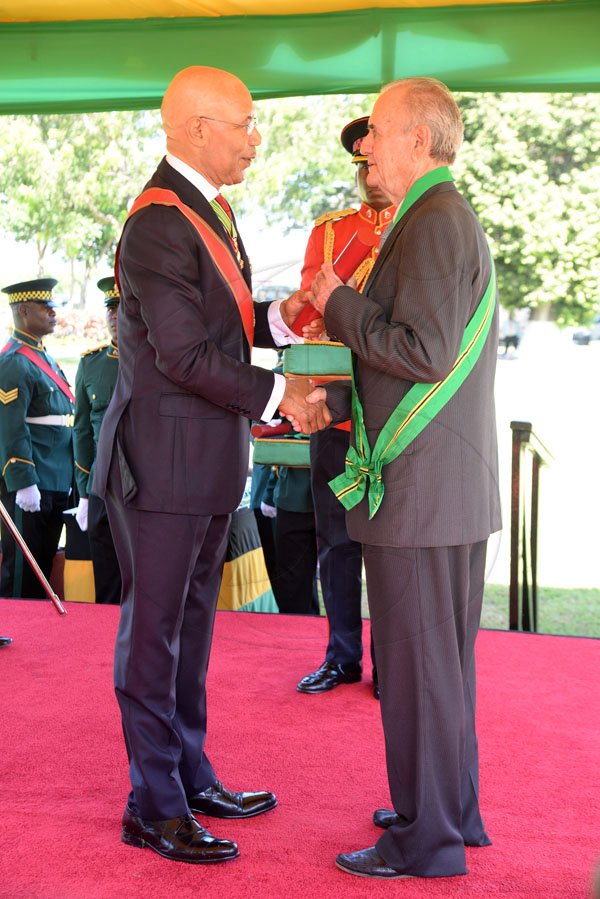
(431, 103)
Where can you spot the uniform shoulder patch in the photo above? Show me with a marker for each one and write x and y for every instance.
(8, 396)
(333, 216)
(95, 349)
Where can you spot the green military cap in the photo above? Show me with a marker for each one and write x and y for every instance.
(37, 291)
(352, 137)
(110, 289)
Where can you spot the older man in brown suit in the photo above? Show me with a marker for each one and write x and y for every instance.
(173, 453)
(421, 482)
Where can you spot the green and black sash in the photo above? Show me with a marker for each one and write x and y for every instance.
(422, 402)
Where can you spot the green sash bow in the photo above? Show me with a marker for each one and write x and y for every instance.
(422, 402)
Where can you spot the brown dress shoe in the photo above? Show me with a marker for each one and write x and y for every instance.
(219, 802)
(179, 839)
(367, 863)
(329, 676)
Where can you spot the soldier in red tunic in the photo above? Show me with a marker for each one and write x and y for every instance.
(349, 239)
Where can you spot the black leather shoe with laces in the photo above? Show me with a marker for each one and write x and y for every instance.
(367, 863)
(219, 802)
(179, 839)
(329, 676)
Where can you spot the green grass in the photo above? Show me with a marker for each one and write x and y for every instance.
(574, 611)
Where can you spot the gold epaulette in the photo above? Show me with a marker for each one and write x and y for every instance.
(96, 349)
(333, 216)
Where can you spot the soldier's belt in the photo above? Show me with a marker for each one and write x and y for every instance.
(65, 421)
(321, 358)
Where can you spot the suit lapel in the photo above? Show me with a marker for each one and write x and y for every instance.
(167, 176)
(391, 240)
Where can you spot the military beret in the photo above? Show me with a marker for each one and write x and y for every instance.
(110, 289)
(39, 291)
(352, 136)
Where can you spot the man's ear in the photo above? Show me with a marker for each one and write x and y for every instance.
(421, 140)
(196, 131)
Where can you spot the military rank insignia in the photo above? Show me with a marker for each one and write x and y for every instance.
(8, 396)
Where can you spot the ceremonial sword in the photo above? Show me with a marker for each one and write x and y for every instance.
(29, 556)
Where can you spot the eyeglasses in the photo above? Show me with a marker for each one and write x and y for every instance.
(249, 126)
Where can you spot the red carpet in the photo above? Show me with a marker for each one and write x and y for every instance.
(64, 782)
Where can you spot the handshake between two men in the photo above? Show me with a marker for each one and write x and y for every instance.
(303, 404)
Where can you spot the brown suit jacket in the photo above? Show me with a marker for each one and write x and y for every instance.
(180, 414)
(431, 273)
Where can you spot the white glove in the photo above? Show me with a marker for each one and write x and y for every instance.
(81, 515)
(29, 498)
(268, 511)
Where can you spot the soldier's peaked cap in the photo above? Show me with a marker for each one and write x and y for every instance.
(39, 290)
(352, 136)
(109, 288)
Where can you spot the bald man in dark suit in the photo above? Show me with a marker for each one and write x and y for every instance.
(423, 503)
(173, 454)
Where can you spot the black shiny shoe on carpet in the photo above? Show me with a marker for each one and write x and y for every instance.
(329, 676)
(367, 863)
(178, 839)
(219, 802)
(5, 641)
(385, 817)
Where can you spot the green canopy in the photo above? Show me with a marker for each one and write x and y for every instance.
(75, 66)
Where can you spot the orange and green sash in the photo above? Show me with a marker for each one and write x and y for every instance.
(364, 467)
(218, 250)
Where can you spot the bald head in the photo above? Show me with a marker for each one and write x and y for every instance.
(208, 117)
(197, 91)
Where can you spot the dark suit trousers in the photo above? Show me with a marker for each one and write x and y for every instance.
(171, 567)
(107, 575)
(425, 611)
(295, 586)
(340, 558)
(41, 532)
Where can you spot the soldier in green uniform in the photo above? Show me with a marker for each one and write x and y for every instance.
(94, 385)
(36, 447)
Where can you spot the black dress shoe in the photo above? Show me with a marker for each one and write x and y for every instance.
(367, 863)
(385, 817)
(5, 641)
(219, 802)
(179, 839)
(329, 676)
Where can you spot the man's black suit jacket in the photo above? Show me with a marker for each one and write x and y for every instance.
(179, 417)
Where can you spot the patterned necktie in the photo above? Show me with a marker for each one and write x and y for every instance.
(225, 216)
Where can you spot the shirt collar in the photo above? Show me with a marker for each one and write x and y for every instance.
(379, 219)
(208, 190)
(28, 339)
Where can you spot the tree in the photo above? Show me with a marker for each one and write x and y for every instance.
(530, 167)
(66, 182)
(301, 169)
